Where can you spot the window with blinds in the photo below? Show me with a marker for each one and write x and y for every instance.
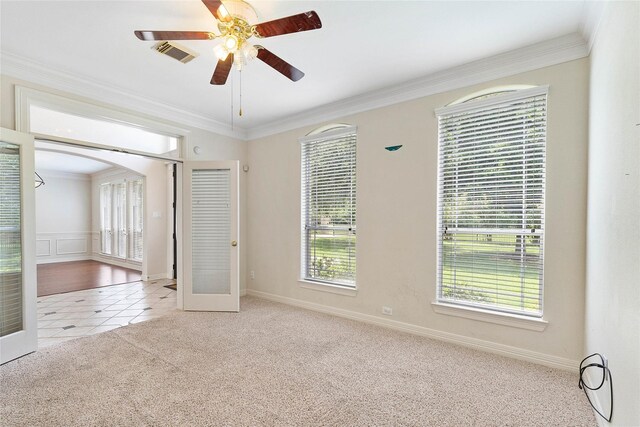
(491, 183)
(10, 240)
(329, 207)
(122, 219)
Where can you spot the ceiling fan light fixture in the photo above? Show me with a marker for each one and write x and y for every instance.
(231, 43)
(248, 51)
(221, 52)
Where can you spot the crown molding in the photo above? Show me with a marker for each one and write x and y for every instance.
(544, 54)
(551, 52)
(27, 69)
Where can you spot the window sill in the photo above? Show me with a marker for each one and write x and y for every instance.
(513, 320)
(327, 287)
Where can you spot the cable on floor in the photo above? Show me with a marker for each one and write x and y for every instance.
(596, 369)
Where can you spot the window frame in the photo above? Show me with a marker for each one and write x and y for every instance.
(458, 306)
(327, 134)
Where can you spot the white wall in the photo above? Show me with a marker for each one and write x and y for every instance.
(63, 217)
(396, 217)
(613, 245)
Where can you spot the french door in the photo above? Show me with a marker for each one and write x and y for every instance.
(210, 236)
(18, 318)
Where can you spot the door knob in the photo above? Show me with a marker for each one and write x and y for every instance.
(234, 243)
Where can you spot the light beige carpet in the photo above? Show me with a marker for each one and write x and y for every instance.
(273, 364)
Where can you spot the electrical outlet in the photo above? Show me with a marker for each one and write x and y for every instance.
(252, 274)
(387, 310)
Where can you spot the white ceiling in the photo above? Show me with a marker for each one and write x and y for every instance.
(363, 47)
(60, 162)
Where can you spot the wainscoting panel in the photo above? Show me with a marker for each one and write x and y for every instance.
(71, 246)
(62, 246)
(43, 247)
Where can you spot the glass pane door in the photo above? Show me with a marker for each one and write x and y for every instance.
(10, 240)
(18, 322)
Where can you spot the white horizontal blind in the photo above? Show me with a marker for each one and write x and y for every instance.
(136, 219)
(10, 240)
(329, 207)
(211, 231)
(491, 181)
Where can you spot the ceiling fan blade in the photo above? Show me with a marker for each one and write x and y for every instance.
(279, 64)
(174, 35)
(222, 71)
(218, 10)
(291, 24)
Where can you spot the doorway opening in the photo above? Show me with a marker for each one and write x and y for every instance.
(92, 221)
(89, 223)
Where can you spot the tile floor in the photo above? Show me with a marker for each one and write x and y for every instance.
(77, 314)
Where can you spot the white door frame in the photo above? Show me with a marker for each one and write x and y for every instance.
(25, 341)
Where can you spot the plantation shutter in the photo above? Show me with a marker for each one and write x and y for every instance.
(10, 240)
(491, 183)
(136, 219)
(119, 198)
(105, 219)
(329, 207)
(211, 231)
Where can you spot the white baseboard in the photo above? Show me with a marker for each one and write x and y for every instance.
(243, 292)
(118, 262)
(67, 258)
(488, 346)
(155, 276)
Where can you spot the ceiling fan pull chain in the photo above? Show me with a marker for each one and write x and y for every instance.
(240, 111)
(232, 102)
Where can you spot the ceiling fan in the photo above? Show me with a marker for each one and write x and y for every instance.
(234, 17)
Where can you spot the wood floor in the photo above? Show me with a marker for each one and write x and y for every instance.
(60, 277)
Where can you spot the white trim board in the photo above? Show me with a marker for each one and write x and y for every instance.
(155, 277)
(550, 52)
(475, 343)
(120, 263)
(31, 70)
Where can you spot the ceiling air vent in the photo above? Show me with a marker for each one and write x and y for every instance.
(175, 51)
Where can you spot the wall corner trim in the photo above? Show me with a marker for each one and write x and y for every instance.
(482, 345)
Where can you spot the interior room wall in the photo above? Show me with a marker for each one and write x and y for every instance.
(613, 244)
(396, 219)
(63, 217)
(213, 147)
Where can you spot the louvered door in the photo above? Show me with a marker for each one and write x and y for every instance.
(210, 236)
